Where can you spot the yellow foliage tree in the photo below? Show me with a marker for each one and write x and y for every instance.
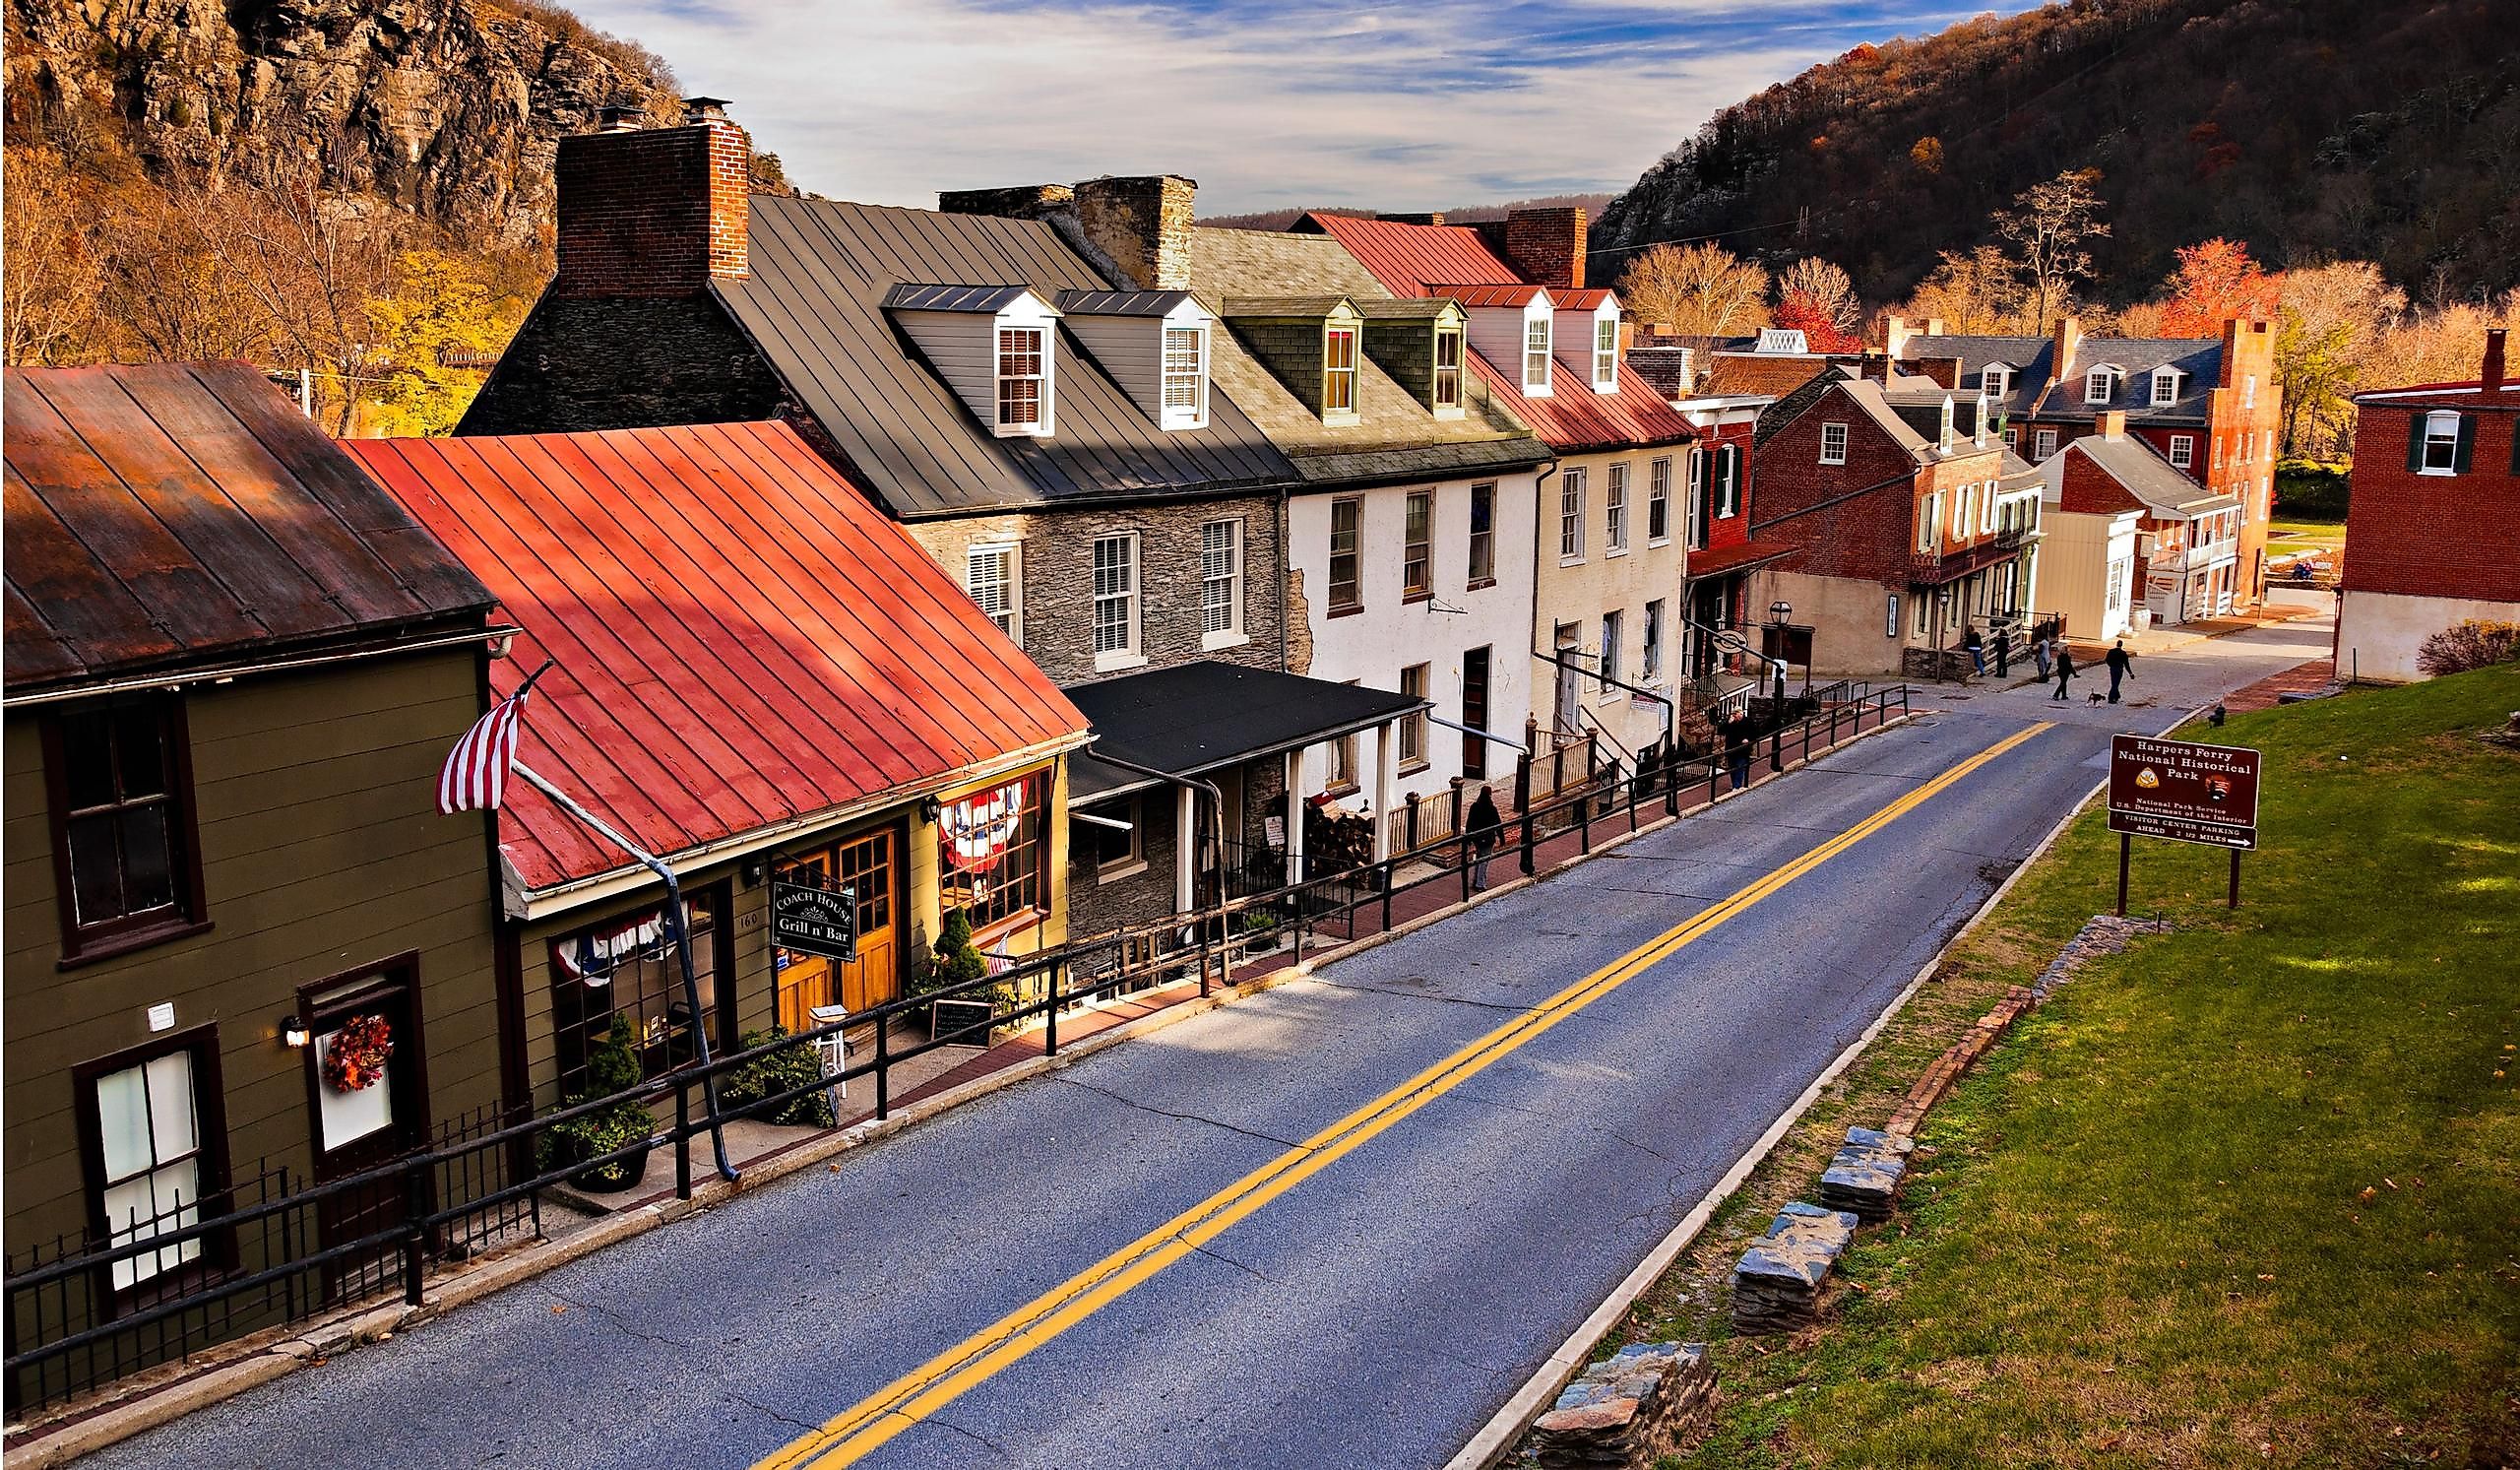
(440, 307)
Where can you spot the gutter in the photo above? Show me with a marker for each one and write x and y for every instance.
(229, 672)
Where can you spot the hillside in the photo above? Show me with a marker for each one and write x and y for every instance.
(2310, 129)
(1467, 215)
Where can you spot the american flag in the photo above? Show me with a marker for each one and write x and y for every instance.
(475, 775)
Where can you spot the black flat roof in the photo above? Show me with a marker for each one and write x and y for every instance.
(1199, 717)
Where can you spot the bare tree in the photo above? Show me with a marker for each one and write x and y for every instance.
(53, 272)
(1699, 290)
(1821, 288)
(2051, 226)
(1974, 293)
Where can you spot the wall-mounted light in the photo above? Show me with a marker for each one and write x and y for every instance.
(930, 808)
(756, 867)
(293, 1031)
(1780, 610)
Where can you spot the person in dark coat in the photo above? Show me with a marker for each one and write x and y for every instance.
(2004, 653)
(1736, 750)
(2065, 673)
(2121, 667)
(1486, 828)
(1970, 640)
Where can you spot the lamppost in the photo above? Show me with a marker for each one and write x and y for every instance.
(1779, 614)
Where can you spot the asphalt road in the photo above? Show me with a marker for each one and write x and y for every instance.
(1372, 1315)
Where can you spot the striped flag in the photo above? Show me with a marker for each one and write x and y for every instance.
(475, 775)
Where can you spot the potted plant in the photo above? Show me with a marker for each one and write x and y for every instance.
(613, 1068)
(959, 962)
(744, 1088)
(1261, 925)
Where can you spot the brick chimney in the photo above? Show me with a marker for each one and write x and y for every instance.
(1142, 224)
(655, 211)
(1547, 246)
(2068, 345)
(2491, 374)
(2112, 424)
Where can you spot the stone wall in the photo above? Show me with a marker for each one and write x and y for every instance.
(624, 362)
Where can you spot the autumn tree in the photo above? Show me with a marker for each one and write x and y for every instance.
(2329, 318)
(1818, 299)
(1698, 290)
(2050, 227)
(437, 304)
(54, 269)
(2215, 281)
(1975, 293)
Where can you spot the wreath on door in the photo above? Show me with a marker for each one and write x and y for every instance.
(354, 1059)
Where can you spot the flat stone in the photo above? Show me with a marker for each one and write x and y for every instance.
(1799, 1247)
(1609, 1414)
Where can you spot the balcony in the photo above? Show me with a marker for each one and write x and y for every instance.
(1934, 568)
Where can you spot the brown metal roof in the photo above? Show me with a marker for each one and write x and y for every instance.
(179, 515)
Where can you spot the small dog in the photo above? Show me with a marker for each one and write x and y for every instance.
(2100, 699)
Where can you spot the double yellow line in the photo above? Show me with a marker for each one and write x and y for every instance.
(915, 1395)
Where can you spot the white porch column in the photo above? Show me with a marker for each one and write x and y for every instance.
(1384, 745)
(1294, 814)
(1185, 850)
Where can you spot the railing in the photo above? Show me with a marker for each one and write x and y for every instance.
(480, 1186)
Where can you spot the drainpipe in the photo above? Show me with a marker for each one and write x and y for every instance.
(1539, 492)
(1215, 828)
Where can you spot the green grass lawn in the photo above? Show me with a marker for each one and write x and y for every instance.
(2246, 1195)
(2286, 537)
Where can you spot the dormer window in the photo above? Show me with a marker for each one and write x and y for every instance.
(1945, 442)
(1606, 354)
(2098, 384)
(2165, 387)
(1996, 380)
(1536, 344)
(1339, 374)
(1023, 380)
(1186, 377)
(1448, 367)
(1986, 411)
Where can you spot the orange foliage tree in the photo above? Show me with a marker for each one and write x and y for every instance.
(2215, 281)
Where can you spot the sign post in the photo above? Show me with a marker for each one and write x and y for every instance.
(2181, 791)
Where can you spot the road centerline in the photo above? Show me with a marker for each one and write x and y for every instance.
(919, 1394)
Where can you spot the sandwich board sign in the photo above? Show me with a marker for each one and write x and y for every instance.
(2184, 790)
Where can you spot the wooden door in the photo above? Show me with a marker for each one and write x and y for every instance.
(378, 1118)
(872, 864)
(1473, 712)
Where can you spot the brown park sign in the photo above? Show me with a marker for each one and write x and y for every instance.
(2184, 790)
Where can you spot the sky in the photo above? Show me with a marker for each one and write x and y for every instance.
(1266, 104)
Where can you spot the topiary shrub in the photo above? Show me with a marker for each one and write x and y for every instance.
(2473, 644)
(744, 1087)
(612, 1066)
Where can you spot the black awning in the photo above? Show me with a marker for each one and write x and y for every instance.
(1200, 717)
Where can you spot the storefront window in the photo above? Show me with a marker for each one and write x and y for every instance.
(992, 850)
(626, 965)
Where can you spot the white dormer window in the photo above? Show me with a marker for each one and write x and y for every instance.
(1536, 344)
(1339, 374)
(1996, 379)
(2096, 385)
(1023, 380)
(1986, 411)
(1447, 367)
(1186, 377)
(1606, 354)
(1947, 415)
(2165, 387)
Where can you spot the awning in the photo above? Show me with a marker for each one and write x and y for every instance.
(1722, 559)
(1206, 715)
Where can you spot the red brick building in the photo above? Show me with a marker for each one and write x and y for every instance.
(2435, 527)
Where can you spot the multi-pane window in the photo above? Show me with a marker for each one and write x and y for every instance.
(1652, 662)
(1727, 482)
(1447, 367)
(2441, 448)
(1701, 497)
(1833, 443)
(154, 1169)
(1658, 502)
(1534, 354)
(1929, 523)
(989, 576)
(1605, 353)
(1614, 512)
(1413, 726)
(1020, 378)
(1482, 533)
(1013, 884)
(2044, 445)
(123, 826)
(2182, 450)
(1346, 555)
(2096, 386)
(1570, 514)
(627, 967)
(1115, 593)
(1610, 645)
(1220, 577)
(2164, 388)
(1416, 546)
(1998, 381)
(1339, 371)
(1186, 376)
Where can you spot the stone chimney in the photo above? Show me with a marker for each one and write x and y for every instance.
(1894, 339)
(655, 211)
(1547, 246)
(1142, 224)
(2069, 343)
(2112, 424)
(1430, 216)
(1022, 202)
(2491, 374)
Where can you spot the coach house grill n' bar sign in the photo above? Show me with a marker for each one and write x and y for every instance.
(811, 919)
(2184, 791)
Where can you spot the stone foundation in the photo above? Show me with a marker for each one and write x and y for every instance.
(1629, 1410)
(1776, 1286)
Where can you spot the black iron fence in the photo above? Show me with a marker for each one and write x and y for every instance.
(276, 1249)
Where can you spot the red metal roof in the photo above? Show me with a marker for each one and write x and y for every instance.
(742, 638)
(182, 514)
(1486, 296)
(1424, 260)
(1739, 557)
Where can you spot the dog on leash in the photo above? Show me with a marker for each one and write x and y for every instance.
(2098, 698)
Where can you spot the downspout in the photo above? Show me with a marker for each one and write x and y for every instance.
(1286, 571)
(1540, 482)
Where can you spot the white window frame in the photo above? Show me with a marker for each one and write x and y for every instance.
(2182, 451)
(1539, 335)
(1330, 373)
(1614, 512)
(2099, 385)
(1448, 376)
(2248, 391)
(1220, 566)
(2043, 445)
(1005, 350)
(1570, 516)
(1606, 353)
(2165, 387)
(156, 1168)
(1995, 379)
(1187, 408)
(1930, 525)
(1006, 608)
(1726, 496)
(1657, 495)
(1650, 667)
(1613, 625)
(1950, 418)
(1833, 443)
(1134, 863)
(1116, 584)
(2441, 430)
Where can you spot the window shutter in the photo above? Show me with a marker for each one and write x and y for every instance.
(2415, 440)
(2515, 444)
(2466, 443)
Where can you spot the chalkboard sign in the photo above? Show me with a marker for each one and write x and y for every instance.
(961, 1023)
(813, 920)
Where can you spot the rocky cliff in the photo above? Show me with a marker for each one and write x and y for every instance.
(448, 108)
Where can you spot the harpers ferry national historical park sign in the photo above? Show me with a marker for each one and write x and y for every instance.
(813, 920)
(2184, 791)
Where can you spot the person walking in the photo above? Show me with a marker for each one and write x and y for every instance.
(2041, 651)
(2121, 667)
(2065, 673)
(1736, 750)
(2004, 653)
(1970, 640)
(1486, 827)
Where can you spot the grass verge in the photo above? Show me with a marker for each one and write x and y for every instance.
(2246, 1195)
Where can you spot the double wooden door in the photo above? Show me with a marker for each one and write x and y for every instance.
(872, 865)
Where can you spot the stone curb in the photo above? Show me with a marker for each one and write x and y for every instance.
(260, 1358)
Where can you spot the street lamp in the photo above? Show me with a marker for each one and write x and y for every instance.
(1777, 613)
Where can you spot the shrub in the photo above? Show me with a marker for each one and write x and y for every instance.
(2470, 645)
(775, 1072)
(612, 1066)
(2309, 490)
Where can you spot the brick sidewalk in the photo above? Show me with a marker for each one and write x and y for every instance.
(2266, 693)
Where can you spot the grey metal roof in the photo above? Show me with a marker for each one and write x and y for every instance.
(2199, 358)
(814, 305)
(1120, 303)
(990, 299)
(2141, 469)
(1408, 309)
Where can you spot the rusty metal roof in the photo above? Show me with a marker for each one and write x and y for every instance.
(177, 516)
(742, 639)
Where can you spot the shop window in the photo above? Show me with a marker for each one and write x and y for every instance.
(155, 1131)
(991, 853)
(122, 827)
(627, 967)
